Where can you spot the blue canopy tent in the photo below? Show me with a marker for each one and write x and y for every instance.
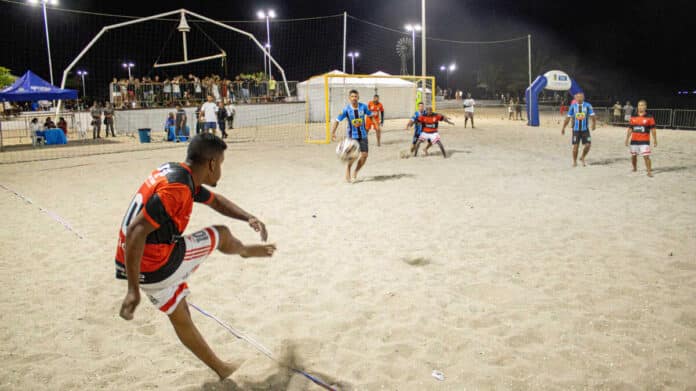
(33, 88)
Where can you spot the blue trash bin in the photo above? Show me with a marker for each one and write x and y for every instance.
(144, 135)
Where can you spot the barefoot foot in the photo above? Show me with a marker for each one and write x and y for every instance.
(228, 368)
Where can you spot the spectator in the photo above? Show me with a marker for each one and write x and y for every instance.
(617, 112)
(95, 112)
(209, 113)
(628, 111)
(167, 89)
(109, 119)
(35, 128)
(180, 122)
(176, 89)
(511, 108)
(222, 118)
(272, 85)
(63, 125)
(245, 90)
(116, 91)
(199, 119)
(518, 109)
(231, 111)
(169, 125)
(49, 124)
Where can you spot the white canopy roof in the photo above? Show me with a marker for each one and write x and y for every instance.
(358, 81)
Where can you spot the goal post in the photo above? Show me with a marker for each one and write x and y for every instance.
(326, 95)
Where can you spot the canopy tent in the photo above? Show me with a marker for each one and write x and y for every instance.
(397, 95)
(33, 88)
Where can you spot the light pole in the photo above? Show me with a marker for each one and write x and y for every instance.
(353, 56)
(48, 41)
(268, 15)
(83, 74)
(447, 70)
(413, 28)
(128, 65)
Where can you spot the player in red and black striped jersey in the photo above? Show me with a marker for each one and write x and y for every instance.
(153, 255)
(640, 127)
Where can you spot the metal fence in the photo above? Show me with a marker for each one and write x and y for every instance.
(684, 119)
(134, 95)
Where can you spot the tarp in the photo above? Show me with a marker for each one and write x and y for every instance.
(33, 88)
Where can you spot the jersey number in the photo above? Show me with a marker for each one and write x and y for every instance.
(133, 210)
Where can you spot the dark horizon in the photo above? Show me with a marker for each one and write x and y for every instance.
(615, 51)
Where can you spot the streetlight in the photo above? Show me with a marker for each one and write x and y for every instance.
(48, 41)
(268, 15)
(413, 28)
(128, 65)
(447, 71)
(82, 74)
(353, 56)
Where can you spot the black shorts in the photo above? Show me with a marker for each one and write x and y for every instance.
(363, 144)
(584, 136)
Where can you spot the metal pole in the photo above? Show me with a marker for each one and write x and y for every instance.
(129, 72)
(345, 29)
(424, 69)
(529, 56)
(352, 65)
(268, 39)
(413, 44)
(84, 93)
(48, 42)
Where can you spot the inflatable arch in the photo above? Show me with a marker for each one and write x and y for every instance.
(551, 80)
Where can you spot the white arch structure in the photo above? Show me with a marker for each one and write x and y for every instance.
(182, 12)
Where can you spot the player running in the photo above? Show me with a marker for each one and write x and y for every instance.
(152, 253)
(355, 113)
(639, 134)
(579, 111)
(418, 127)
(469, 104)
(376, 120)
(430, 122)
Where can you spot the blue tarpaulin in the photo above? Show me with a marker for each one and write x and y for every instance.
(33, 88)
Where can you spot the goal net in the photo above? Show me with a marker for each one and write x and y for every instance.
(326, 95)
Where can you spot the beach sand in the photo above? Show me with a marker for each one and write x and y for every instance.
(502, 266)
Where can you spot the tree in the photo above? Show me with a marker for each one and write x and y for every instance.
(6, 78)
(404, 47)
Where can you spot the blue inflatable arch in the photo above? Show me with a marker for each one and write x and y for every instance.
(552, 80)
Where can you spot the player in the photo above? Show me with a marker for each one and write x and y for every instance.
(639, 133)
(430, 122)
(579, 111)
(153, 255)
(469, 104)
(418, 127)
(376, 120)
(355, 113)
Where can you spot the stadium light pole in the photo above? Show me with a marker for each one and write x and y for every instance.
(82, 74)
(268, 15)
(353, 56)
(128, 65)
(413, 28)
(423, 61)
(48, 41)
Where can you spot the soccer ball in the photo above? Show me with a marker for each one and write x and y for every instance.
(348, 149)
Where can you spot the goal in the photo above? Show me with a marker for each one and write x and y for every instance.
(326, 95)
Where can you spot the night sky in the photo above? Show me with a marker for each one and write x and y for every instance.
(621, 49)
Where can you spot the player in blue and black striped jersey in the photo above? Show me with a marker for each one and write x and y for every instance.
(581, 112)
(418, 127)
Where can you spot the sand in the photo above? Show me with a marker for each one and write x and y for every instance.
(502, 266)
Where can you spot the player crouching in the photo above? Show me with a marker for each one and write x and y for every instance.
(430, 122)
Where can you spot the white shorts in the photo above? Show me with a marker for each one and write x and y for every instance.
(432, 137)
(640, 150)
(167, 294)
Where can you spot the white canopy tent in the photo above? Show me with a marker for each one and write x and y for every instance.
(397, 95)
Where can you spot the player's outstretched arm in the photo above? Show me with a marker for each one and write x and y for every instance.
(136, 234)
(565, 123)
(448, 120)
(628, 135)
(334, 126)
(228, 208)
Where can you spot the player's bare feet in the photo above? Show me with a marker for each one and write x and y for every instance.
(228, 369)
(650, 174)
(583, 162)
(354, 178)
(575, 164)
(259, 250)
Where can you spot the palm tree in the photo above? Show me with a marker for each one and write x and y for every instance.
(403, 50)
